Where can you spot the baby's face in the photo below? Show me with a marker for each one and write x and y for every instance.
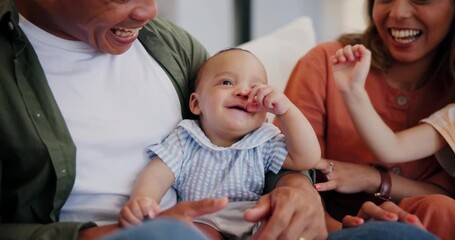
(223, 91)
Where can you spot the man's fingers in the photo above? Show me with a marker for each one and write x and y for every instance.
(186, 211)
(206, 206)
(277, 224)
(259, 211)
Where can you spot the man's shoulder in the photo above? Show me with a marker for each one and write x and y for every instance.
(173, 35)
(176, 39)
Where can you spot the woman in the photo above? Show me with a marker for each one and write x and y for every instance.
(412, 76)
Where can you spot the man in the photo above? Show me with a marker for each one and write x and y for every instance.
(84, 86)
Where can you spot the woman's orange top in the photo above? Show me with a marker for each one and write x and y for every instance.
(312, 88)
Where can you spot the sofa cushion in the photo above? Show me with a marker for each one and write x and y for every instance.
(280, 50)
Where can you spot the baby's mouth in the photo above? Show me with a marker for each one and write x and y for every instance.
(238, 107)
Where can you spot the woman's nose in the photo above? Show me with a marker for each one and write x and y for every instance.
(400, 9)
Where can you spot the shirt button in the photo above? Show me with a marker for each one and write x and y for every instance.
(38, 115)
(11, 26)
(402, 100)
(396, 170)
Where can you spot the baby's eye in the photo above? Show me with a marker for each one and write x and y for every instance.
(227, 82)
(421, 1)
(120, 1)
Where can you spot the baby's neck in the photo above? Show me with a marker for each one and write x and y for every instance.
(223, 139)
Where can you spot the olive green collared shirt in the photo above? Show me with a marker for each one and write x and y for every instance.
(37, 154)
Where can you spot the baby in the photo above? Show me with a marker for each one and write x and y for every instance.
(228, 150)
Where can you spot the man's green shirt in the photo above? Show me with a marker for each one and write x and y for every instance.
(37, 154)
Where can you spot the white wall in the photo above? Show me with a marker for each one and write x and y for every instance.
(212, 21)
(341, 16)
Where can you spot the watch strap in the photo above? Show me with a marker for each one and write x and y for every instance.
(386, 183)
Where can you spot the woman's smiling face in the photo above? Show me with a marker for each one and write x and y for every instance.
(412, 29)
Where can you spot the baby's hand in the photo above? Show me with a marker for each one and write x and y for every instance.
(135, 210)
(267, 98)
(350, 66)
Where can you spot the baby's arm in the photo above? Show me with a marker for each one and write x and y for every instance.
(151, 185)
(350, 68)
(301, 141)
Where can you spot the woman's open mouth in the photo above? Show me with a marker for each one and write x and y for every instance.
(405, 36)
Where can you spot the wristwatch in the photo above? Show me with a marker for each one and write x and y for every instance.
(386, 184)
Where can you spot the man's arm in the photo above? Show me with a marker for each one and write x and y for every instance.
(51, 231)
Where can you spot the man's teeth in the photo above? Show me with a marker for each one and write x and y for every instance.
(405, 33)
(126, 32)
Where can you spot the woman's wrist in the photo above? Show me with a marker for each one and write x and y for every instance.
(385, 187)
(373, 180)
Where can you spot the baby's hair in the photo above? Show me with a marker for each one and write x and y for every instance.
(201, 68)
(231, 49)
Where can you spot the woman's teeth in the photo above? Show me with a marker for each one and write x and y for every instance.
(405, 33)
(405, 36)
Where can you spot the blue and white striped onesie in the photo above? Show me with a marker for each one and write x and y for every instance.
(204, 170)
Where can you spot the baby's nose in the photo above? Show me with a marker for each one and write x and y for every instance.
(242, 92)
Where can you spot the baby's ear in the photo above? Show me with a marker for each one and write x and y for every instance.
(194, 104)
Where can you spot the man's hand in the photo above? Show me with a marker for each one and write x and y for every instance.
(187, 211)
(293, 210)
(182, 211)
(98, 232)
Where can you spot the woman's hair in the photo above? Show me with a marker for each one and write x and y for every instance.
(444, 60)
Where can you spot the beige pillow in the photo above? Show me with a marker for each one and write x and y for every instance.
(280, 50)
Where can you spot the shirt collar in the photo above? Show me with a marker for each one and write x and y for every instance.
(258, 137)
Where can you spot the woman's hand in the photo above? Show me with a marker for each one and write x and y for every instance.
(387, 211)
(348, 177)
